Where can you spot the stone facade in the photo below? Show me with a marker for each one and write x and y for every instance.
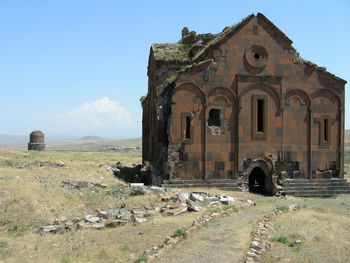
(36, 141)
(241, 104)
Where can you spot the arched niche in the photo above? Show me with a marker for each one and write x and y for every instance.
(265, 88)
(302, 95)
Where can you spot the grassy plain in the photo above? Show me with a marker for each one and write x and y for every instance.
(32, 196)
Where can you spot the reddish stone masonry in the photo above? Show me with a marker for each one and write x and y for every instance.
(241, 104)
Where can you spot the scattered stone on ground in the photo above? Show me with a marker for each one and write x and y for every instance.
(183, 197)
(108, 214)
(227, 200)
(115, 222)
(142, 190)
(85, 225)
(91, 219)
(196, 197)
(59, 221)
(73, 184)
(178, 203)
(170, 198)
(175, 210)
(157, 190)
(54, 229)
(137, 184)
(41, 164)
(194, 208)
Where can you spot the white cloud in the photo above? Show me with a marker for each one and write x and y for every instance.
(102, 117)
(99, 114)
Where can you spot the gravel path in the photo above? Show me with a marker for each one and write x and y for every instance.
(223, 240)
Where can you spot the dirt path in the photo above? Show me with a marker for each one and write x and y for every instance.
(223, 240)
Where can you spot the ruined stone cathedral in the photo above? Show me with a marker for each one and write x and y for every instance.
(241, 104)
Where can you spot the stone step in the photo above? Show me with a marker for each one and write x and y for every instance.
(313, 195)
(312, 192)
(314, 180)
(314, 186)
(311, 183)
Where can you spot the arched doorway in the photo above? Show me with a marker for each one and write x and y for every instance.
(257, 181)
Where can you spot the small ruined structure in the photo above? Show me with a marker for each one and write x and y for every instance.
(241, 105)
(36, 141)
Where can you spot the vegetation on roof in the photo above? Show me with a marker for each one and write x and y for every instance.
(177, 52)
(180, 52)
(299, 60)
(143, 100)
(186, 54)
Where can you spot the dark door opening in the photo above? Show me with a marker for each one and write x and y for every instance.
(257, 181)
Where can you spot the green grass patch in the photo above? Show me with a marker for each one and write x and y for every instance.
(7, 163)
(124, 247)
(16, 229)
(225, 214)
(65, 259)
(282, 208)
(3, 243)
(213, 210)
(181, 232)
(284, 240)
(230, 207)
(141, 258)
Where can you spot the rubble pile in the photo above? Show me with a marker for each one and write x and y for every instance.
(177, 203)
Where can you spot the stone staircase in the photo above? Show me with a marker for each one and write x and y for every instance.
(315, 187)
(227, 184)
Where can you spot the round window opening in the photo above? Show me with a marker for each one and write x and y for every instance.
(256, 57)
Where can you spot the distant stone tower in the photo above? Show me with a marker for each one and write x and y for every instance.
(36, 141)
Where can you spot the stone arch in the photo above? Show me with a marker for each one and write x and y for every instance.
(220, 91)
(192, 88)
(299, 93)
(297, 127)
(329, 94)
(260, 177)
(187, 115)
(224, 100)
(266, 88)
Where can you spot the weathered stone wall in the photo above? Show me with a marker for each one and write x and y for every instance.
(250, 95)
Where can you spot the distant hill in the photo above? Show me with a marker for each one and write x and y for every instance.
(90, 145)
(85, 144)
(92, 138)
(10, 140)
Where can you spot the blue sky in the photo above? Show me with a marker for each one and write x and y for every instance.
(76, 68)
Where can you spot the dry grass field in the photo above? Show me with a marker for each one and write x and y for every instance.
(31, 196)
